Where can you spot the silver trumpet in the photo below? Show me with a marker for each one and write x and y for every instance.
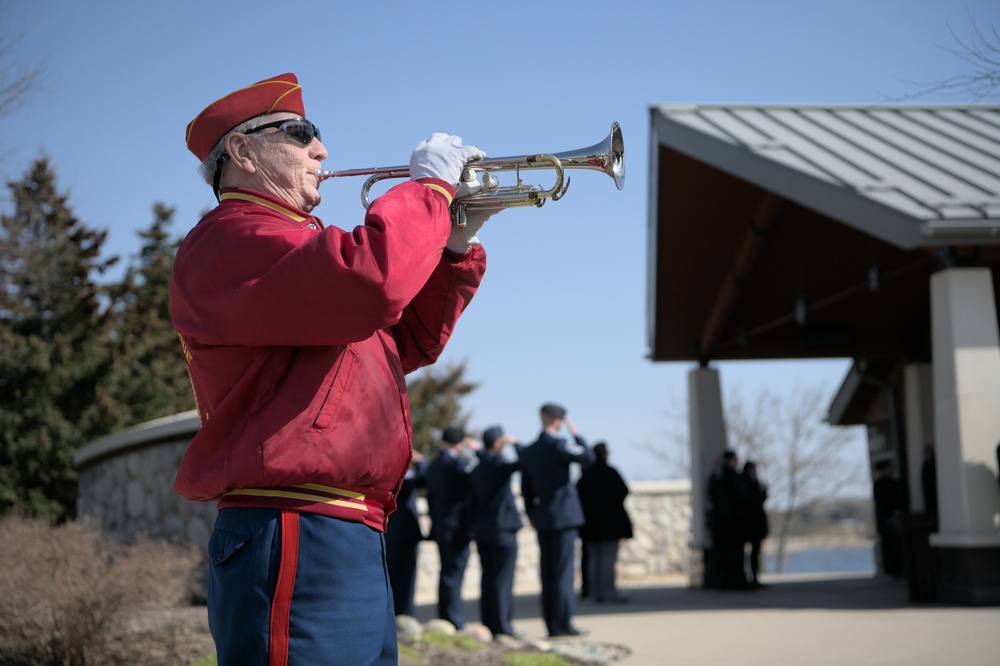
(608, 157)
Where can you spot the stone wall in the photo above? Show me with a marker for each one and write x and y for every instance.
(661, 523)
(126, 484)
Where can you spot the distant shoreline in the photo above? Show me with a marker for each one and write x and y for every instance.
(824, 541)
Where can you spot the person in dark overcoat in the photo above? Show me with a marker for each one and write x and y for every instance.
(755, 523)
(602, 494)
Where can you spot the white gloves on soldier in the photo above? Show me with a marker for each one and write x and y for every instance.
(462, 239)
(442, 156)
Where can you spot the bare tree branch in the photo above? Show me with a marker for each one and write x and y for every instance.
(981, 51)
(16, 81)
(673, 453)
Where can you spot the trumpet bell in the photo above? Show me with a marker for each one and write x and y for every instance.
(607, 156)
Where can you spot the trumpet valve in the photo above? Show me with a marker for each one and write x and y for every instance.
(490, 182)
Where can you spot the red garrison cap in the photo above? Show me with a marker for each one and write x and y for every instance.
(281, 93)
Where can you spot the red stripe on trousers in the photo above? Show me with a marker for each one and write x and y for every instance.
(281, 605)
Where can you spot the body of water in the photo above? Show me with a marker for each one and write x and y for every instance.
(860, 559)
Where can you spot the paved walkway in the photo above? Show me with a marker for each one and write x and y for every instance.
(840, 620)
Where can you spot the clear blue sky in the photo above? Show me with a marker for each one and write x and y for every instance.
(561, 314)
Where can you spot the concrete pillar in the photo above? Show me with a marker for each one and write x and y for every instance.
(918, 410)
(708, 441)
(966, 348)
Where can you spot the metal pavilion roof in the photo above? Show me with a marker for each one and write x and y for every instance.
(908, 174)
(845, 208)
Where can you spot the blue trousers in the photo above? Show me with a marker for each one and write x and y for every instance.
(290, 589)
(557, 552)
(601, 559)
(498, 557)
(402, 562)
(454, 558)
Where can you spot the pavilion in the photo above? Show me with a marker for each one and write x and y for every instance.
(863, 232)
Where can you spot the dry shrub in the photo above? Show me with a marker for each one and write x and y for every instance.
(66, 592)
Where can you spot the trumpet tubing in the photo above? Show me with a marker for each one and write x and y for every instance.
(607, 156)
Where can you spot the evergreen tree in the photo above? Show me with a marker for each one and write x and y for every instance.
(53, 346)
(434, 403)
(148, 378)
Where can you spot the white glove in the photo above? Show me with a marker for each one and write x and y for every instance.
(442, 156)
(468, 184)
(462, 239)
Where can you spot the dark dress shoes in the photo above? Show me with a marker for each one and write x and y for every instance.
(572, 631)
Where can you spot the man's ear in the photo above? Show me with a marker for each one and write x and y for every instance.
(240, 150)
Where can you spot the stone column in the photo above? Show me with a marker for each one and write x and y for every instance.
(966, 348)
(708, 441)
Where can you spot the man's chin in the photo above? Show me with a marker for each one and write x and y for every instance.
(312, 204)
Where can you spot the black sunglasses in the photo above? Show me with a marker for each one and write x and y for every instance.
(299, 129)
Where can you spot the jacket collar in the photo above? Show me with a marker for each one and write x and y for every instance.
(266, 200)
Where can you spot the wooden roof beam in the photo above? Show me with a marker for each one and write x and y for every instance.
(745, 259)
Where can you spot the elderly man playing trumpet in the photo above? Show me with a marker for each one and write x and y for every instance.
(297, 337)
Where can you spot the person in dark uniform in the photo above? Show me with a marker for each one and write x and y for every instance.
(887, 492)
(928, 484)
(553, 506)
(729, 511)
(602, 493)
(495, 521)
(713, 496)
(448, 504)
(403, 536)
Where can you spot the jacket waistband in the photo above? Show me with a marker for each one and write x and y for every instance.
(307, 492)
(361, 507)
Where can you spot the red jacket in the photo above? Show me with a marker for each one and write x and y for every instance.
(297, 338)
